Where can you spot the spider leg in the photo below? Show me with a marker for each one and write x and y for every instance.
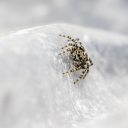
(70, 39)
(91, 63)
(69, 49)
(65, 36)
(73, 40)
(87, 70)
(80, 76)
(80, 43)
(73, 70)
(70, 44)
(86, 73)
(76, 63)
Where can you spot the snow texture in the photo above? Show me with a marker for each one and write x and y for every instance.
(35, 94)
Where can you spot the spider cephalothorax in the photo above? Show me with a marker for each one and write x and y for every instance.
(79, 56)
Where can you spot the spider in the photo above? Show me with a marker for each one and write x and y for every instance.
(79, 56)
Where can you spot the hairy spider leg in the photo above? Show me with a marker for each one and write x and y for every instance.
(65, 36)
(91, 63)
(73, 40)
(73, 70)
(80, 76)
(75, 63)
(77, 39)
(86, 73)
(87, 70)
(69, 38)
(70, 44)
(69, 49)
(82, 46)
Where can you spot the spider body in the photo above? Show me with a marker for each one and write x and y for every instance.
(79, 57)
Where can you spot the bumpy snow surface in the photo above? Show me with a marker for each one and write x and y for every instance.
(35, 94)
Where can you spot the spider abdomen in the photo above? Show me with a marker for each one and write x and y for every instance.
(78, 55)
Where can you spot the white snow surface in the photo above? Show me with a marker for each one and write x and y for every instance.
(35, 94)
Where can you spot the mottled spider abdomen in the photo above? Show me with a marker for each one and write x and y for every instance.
(79, 57)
